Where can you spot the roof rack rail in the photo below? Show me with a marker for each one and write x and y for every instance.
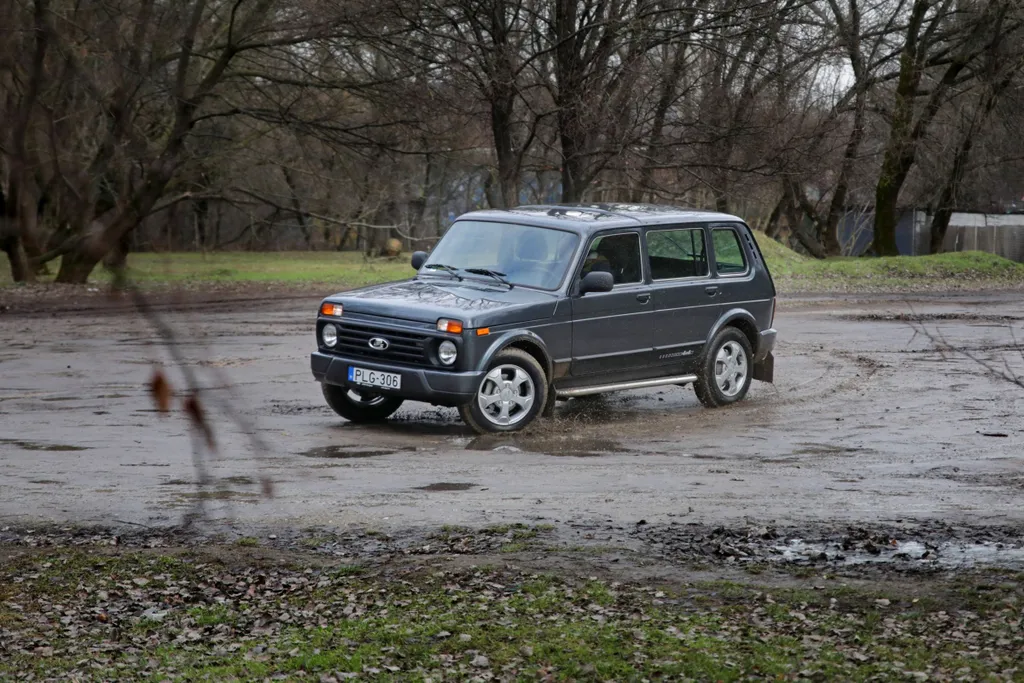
(569, 207)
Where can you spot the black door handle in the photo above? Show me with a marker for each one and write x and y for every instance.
(712, 290)
(643, 298)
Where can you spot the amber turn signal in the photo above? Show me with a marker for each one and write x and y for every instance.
(449, 326)
(483, 331)
(331, 309)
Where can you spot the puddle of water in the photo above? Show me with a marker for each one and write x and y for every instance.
(446, 486)
(944, 555)
(825, 449)
(238, 479)
(574, 447)
(36, 446)
(236, 496)
(344, 452)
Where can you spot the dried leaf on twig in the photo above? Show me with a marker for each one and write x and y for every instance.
(160, 388)
(197, 415)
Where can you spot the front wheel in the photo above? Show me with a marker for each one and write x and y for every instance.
(510, 395)
(359, 406)
(725, 375)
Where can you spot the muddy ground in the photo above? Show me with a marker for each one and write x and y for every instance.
(873, 444)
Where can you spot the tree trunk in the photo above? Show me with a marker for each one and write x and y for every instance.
(20, 270)
(572, 168)
(669, 87)
(830, 233)
(951, 188)
(947, 198)
(300, 214)
(793, 216)
(886, 196)
(772, 228)
(505, 150)
(117, 258)
(76, 266)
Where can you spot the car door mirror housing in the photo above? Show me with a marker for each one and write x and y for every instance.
(596, 282)
(418, 259)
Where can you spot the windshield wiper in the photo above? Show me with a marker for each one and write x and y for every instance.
(451, 270)
(496, 274)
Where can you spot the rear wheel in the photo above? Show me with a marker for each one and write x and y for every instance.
(359, 406)
(725, 373)
(510, 395)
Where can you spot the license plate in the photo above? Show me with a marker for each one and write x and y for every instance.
(374, 378)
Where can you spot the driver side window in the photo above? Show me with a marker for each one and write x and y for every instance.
(615, 254)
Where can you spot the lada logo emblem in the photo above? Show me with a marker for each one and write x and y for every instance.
(379, 344)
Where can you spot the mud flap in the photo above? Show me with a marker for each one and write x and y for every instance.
(764, 369)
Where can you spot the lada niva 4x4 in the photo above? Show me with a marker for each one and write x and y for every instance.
(516, 309)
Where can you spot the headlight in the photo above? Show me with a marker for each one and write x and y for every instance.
(329, 335)
(447, 352)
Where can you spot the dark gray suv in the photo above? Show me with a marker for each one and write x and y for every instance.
(513, 310)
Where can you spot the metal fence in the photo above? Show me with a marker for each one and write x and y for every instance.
(993, 233)
(1001, 234)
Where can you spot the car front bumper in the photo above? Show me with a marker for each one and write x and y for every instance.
(439, 387)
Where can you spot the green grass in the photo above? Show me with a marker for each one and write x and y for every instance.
(231, 620)
(960, 270)
(340, 269)
(793, 272)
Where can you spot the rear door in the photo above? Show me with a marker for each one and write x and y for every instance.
(743, 278)
(685, 294)
(610, 330)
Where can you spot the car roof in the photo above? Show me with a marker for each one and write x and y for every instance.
(589, 218)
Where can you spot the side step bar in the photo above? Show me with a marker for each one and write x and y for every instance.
(639, 384)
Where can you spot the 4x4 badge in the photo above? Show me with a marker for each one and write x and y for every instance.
(379, 344)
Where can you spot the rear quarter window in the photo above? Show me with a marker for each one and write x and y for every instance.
(729, 256)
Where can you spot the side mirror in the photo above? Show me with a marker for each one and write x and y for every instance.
(597, 281)
(418, 259)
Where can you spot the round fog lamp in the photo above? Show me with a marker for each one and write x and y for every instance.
(447, 352)
(329, 335)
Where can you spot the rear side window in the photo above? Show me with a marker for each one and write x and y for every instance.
(677, 253)
(618, 255)
(729, 257)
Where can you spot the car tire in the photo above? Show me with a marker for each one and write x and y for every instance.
(359, 407)
(493, 411)
(726, 369)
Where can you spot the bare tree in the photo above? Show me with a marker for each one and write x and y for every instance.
(942, 44)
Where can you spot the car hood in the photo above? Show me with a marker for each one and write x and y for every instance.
(475, 303)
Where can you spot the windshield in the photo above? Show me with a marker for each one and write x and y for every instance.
(522, 254)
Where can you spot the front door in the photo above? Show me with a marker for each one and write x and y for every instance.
(686, 302)
(610, 330)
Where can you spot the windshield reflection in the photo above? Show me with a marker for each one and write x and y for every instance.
(523, 255)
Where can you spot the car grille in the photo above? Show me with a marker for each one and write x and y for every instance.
(404, 346)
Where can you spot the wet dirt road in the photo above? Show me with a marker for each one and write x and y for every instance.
(868, 422)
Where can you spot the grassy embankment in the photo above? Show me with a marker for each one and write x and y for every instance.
(792, 271)
(78, 615)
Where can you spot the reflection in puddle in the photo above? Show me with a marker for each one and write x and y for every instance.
(446, 486)
(943, 555)
(35, 446)
(413, 429)
(575, 447)
(343, 452)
